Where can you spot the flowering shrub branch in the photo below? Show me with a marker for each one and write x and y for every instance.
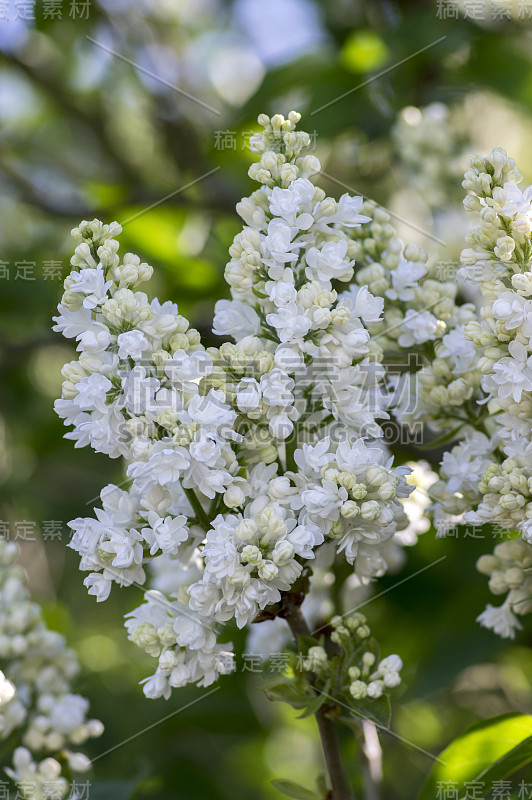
(254, 469)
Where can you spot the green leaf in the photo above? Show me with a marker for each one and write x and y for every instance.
(316, 702)
(378, 710)
(285, 692)
(511, 762)
(292, 789)
(486, 749)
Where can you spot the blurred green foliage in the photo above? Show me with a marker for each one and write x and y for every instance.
(85, 133)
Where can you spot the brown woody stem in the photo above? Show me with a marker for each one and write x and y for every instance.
(329, 739)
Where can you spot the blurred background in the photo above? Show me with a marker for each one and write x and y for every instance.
(140, 110)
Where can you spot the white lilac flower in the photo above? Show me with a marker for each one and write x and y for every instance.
(363, 304)
(289, 323)
(7, 690)
(405, 278)
(516, 201)
(94, 340)
(132, 344)
(417, 327)
(501, 620)
(511, 309)
(512, 375)
(459, 350)
(164, 467)
(328, 262)
(92, 284)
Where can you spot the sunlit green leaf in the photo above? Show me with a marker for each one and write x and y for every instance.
(476, 751)
(509, 763)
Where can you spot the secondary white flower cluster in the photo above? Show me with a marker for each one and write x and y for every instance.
(432, 368)
(183, 642)
(37, 707)
(472, 370)
(498, 260)
(461, 470)
(250, 461)
(487, 477)
(510, 571)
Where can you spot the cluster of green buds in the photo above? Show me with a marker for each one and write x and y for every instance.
(368, 676)
(348, 668)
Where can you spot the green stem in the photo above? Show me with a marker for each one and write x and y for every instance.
(290, 448)
(201, 514)
(329, 739)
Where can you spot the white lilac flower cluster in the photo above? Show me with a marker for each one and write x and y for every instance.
(487, 477)
(248, 461)
(295, 244)
(37, 707)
